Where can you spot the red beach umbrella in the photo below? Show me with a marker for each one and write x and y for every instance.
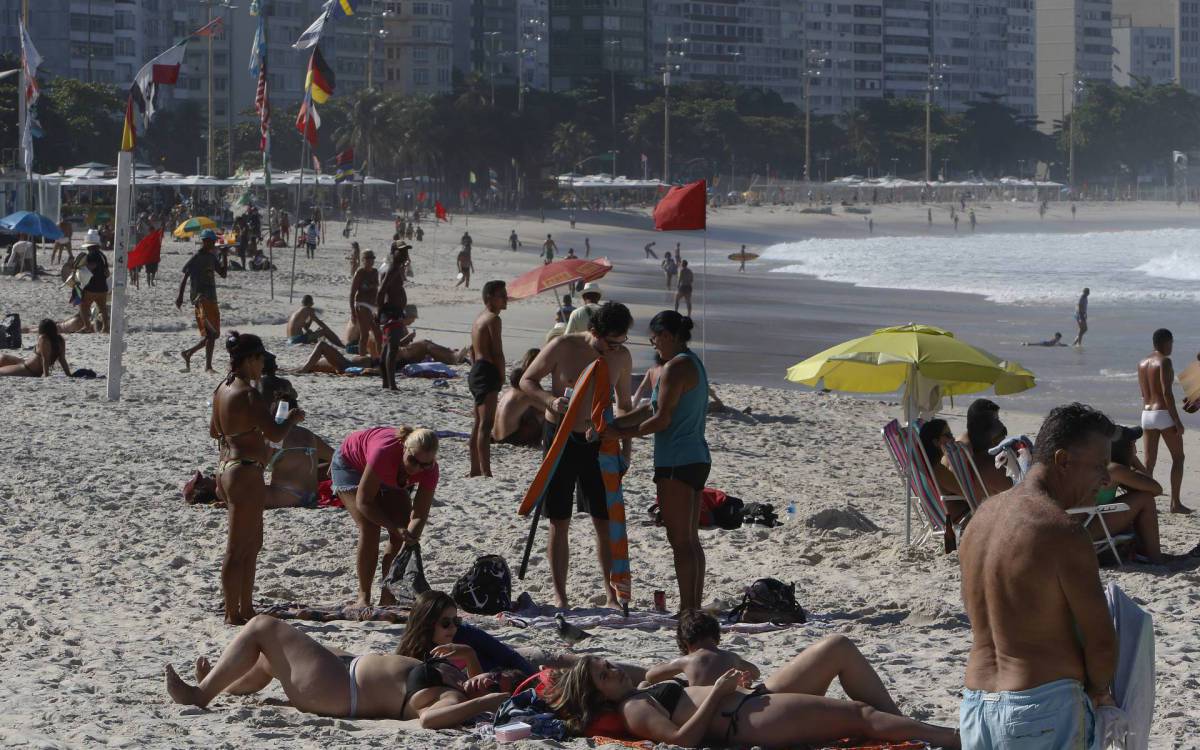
(556, 274)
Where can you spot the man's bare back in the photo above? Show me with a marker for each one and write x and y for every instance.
(1153, 372)
(299, 321)
(511, 412)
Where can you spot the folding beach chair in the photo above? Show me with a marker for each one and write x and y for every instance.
(913, 465)
(963, 467)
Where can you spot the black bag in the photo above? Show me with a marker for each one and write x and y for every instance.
(10, 332)
(769, 600)
(406, 578)
(760, 513)
(486, 589)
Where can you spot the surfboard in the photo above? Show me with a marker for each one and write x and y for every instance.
(743, 257)
(1189, 378)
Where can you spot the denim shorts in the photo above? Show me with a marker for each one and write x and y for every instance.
(1054, 716)
(344, 478)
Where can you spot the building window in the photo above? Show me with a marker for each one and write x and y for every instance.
(420, 9)
(420, 54)
(420, 76)
(419, 32)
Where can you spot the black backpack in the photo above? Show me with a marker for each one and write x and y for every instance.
(769, 600)
(406, 578)
(10, 332)
(486, 589)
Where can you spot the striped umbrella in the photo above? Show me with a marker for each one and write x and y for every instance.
(194, 225)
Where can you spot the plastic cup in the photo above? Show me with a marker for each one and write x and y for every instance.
(281, 413)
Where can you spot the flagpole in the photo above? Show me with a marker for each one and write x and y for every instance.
(704, 299)
(267, 153)
(299, 191)
(116, 325)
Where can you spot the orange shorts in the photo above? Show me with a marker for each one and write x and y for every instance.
(208, 318)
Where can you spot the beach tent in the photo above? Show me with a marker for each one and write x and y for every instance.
(927, 362)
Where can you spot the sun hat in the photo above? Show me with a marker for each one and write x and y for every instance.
(591, 288)
(91, 238)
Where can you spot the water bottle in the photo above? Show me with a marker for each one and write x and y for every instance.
(281, 413)
(791, 510)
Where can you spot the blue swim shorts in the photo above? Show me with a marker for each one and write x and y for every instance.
(1055, 716)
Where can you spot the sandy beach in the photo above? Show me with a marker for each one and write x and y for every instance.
(109, 575)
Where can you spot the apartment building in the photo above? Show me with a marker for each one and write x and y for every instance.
(1180, 17)
(1142, 53)
(418, 47)
(1074, 44)
(589, 38)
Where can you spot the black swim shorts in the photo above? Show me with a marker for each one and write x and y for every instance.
(484, 379)
(693, 475)
(580, 461)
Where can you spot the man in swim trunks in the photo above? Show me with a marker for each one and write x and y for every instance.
(1081, 316)
(299, 325)
(549, 250)
(201, 270)
(519, 419)
(564, 359)
(1160, 417)
(1044, 648)
(683, 292)
(486, 376)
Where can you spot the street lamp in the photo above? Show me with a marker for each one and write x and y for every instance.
(932, 83)
(675, 48)
(490, 54)
(814, 63)
(210, 4)
(374, 33)
(1076, 88)
(614, 45)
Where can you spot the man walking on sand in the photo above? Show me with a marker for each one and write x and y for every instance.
(683, 292)
(1160, 417)
(202, 270)
(1081, 316)
(564, 359)
(1043, 649)
(487, 375)
(549, 250)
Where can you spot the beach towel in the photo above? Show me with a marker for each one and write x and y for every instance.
(332, 612)
(429, 370)
(612, 468)
(607, 618)
(1127, 727)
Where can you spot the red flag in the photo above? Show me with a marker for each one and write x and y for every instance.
(682, 208)
(307, 121)
(439, 210)
(421, 197)
(212, 28)
(149, 250)
(465, 193)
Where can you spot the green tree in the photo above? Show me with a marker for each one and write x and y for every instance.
(571, 144)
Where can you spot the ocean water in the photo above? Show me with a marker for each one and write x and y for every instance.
(1160, 266)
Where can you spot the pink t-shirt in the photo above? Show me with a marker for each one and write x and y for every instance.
(379, 448)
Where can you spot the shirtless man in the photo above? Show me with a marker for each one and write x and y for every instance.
(201, 271)
(1043, 640)
(364, 302)
(549, 250)
(683, 291)
(1160, 417)
(487, 375)
(299, 325)
(1081, 316)
(519, 419)
(564, 359)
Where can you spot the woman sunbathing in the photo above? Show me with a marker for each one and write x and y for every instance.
(50, 349)
(322, 681)
(326, 358)
(434, 630)
(788, 709)
(1129, 483)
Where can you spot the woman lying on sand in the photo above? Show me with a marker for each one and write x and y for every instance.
(242, 425)
(788, 709)
(50, 349)
(372, 471)
(322, 681)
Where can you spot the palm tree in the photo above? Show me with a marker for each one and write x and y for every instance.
(366, 126)
(570, 144)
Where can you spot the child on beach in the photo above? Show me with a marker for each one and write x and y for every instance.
(703, 661)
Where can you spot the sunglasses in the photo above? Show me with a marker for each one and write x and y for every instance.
(423, 464)
(446, 622)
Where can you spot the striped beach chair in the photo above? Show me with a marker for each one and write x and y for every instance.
(963, 467)
(904, 445)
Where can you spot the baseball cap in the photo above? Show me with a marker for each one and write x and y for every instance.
(208, 234)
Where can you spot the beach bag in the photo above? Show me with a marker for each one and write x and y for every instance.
(720, 510)
(406, 578)
(769, 600)
(10, 332)
(485, 589)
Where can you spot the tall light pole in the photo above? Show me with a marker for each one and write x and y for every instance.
(675, 48)
(228, 87)
(1075, 88)
(814, 62)
(932, 83)
(374, 33)
(614, 46)
(210, 95)
(489, 59)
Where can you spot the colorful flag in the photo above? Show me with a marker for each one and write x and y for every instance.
(493, 180)
(320, 80)
(312, 34)
(149, 250)
(161, 71)
(342, 7)
(683, 208)
(129, 132)
(30, 60)
(439, 210)
(421, 197)
(307, 121)
(471, 177)
(212, 28)
(345, 166)
(262, 102)
(316, 164)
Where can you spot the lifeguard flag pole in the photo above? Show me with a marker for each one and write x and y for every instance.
(683, 208)
(120, 267)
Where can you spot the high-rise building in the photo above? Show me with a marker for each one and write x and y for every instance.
(1182, 17)
(588, 38)
(1142, 53)
(419, 47)
(1074, 44)
(510, 38)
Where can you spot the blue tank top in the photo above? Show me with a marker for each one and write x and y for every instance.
(683, 441)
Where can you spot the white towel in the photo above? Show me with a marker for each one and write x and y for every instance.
(1127, 727)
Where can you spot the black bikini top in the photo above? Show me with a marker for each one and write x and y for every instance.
(666, 694)
(425, 675)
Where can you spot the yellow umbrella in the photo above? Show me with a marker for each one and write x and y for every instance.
(194, 225)
(911, 356)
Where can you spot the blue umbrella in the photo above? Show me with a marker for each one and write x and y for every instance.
(33, 224)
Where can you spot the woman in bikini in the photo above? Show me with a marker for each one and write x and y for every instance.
(327, 682)
(788, 709)
(242, 424)
(364, 297)
(50, 349)
(372, 472)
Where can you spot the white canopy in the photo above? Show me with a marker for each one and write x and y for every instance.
(604, 182)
